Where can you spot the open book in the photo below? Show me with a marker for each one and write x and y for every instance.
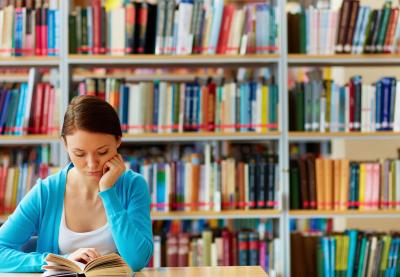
(107, 265)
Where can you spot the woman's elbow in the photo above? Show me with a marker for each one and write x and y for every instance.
(140, 260)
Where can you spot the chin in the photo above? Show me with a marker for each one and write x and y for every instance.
(93, 176)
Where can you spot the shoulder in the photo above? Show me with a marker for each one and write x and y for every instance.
(52, 181)
(130, 175)
(132, 178)
(132, 182)
(44, 190)
(51, 186)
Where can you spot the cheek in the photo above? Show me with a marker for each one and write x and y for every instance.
(78, 162)
(105, 158)
(110, 154)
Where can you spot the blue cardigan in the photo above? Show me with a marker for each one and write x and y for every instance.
(127, 206)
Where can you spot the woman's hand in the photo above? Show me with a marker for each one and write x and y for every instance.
(84, 255)
(112, 170)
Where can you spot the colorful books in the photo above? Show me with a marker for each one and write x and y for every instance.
(200, 106)
(355, 28)
(30, 29)
(201, 179)
(166, 27)
(349, 253)
(29, 107)
(19, 171)
(340, 184)
(319, 105)
(216, 243)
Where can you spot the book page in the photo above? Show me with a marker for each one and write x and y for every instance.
(58, 273)
(110, 260)
(109, 272)
(55, 262)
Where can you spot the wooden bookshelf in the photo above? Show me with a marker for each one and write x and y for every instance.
(151, 137)
(318, 136)
(28, 139)
(213, 215)
(204, 136)
(173, 60)
(136, 77)
(30, 61)
(294, 214)
(22, 78)
(344, 59)
(229, 214)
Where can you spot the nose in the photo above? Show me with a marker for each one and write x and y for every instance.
(92, 162)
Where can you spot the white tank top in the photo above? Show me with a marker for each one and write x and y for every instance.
(70, 241)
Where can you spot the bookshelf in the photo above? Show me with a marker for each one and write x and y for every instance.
(28, 139)
(30, 61)
(171, 60)
(320, 136)
(203, 136)
(232, 214)
(280, 63)
(296, 214)
(340, 60)
(343, 59)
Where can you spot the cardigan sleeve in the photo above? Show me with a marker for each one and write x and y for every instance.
(17, 230)
(131, 227)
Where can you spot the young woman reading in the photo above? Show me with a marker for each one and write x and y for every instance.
(92, 207)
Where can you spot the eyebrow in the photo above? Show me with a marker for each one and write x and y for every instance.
(77, 149)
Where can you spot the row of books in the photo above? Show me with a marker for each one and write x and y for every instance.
(203, 105)
(27, 30)
(19, 170)
(350, 253)
(353, 29)
(323, 105)
(334, 184)
(311, 225)
(173, 27)
(200, 181)
(29, 108)
(219, 245)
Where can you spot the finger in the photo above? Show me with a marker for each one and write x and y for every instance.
(121, 161)
(118, 163)
(93, 254)
(113, 163)
(85, 257)
(90, 254)
(97, 253)
(106, 166)
(120, 158)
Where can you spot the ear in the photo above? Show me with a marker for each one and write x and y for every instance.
(63, 138)
(119, 141)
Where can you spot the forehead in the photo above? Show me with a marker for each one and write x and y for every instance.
(87, 140)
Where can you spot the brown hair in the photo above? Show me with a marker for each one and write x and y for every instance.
(90, 113)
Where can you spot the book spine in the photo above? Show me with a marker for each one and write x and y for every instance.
(344, 18)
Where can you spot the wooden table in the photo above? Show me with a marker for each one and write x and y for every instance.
(222, 271)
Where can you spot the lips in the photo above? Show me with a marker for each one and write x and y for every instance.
(94, 173)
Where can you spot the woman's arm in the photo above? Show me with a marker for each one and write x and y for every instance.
(131, 227)
(16, 231)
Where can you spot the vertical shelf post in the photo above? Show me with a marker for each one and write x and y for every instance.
(65, 76)
(284, 140)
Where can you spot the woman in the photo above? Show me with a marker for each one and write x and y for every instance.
(91, 207)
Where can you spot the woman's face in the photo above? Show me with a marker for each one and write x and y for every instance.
(89, 151)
